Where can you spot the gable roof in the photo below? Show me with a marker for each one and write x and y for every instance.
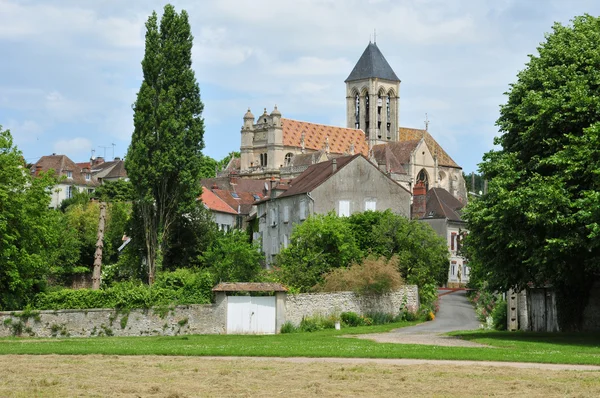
(315, 175)
(395, 154)
(61, 164)
(442, 204)
(317, 135)
(409, 134)
(244, 189)
(214, 203)
(372, 64)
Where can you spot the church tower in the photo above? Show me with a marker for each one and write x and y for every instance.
(372, 97)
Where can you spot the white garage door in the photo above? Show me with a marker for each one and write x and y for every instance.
(250, 315)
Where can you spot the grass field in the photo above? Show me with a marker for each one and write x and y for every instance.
(503, 346)
(179, 377)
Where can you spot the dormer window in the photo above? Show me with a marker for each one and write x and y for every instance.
(88, 176)
(69, 174)
(235, 195)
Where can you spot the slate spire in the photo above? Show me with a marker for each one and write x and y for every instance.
(372, 64)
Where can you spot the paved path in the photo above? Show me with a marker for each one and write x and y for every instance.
(456, 313)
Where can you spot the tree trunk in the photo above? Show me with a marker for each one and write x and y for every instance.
(96, 276)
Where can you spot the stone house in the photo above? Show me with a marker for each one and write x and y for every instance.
(278, 147)
(346, 185)
(71, 177)
(438, 208)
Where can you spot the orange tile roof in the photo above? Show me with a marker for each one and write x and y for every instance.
(214, 203)
(315, 137)
(408, 134)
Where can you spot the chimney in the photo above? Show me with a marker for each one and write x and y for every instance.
(215, 186)
(233, 179)
(419, 203)
(99, 160)
(38, 168)
(334, 165)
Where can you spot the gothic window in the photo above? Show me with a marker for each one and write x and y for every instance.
(357, 111)
(366, 111)
(263, 159)
(387, 107)
(422, 177)
(379, 105)
(288, 158)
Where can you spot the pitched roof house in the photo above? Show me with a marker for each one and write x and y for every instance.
(71, 177)
(346, 185)
(442, 211)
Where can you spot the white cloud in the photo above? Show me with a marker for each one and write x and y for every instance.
(73, 146)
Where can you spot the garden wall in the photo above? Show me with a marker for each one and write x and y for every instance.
(187, 319)
(309, 304)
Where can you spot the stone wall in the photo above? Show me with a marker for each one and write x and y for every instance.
(309, 304)
(188, 319)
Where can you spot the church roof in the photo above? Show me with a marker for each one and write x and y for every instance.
(372, 64)
(408, 134)
(316, 137)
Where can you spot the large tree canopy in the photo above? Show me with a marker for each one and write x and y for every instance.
(164, 159)
(28, 239)
(540, 220)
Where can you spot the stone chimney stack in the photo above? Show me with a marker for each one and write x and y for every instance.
(419, 204)
(334, 165)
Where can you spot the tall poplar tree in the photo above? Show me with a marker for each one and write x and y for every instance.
(164, 159)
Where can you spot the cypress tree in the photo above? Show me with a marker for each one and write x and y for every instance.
(164, 158)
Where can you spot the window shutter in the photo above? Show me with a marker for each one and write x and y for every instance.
(286, 214)
(370, 205)
(344, 208)
(303, 210)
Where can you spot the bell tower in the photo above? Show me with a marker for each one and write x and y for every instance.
(372, 97)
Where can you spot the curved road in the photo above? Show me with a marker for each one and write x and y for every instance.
(456, 313)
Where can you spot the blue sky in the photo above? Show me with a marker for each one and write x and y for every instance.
(70, 69)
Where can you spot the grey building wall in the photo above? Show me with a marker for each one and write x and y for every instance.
(358, 182)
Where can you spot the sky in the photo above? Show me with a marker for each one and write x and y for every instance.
(70, 70)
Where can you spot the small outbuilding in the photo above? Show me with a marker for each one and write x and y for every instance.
(261, 311)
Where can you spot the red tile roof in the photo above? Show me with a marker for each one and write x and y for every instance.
(315, 137)
(245, 189)
(214, 203)
(61, 164)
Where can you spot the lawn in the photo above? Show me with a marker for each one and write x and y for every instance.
(503, 346)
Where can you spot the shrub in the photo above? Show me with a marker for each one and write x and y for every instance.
(351, 319)
(289, 327)
(500, 315)
(316, 322)
(374, 275)
(380, 318)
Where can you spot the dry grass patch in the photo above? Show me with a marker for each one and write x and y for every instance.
(178, 377)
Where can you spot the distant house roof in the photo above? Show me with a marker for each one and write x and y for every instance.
(372, 64)
(61, 164)
(317, 136)
(315, 175)
(236, 192)
(214, 203)
(306, 159)
(442, 204)
(249, 287)
(409, 134)
(110, 169)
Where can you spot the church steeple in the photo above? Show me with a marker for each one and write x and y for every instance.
(372, 97)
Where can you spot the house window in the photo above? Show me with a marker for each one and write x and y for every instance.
(274, 245)
(370, 205)
(69, 191)
(303, 210)
(263, 159)
(235, 195)
(69, 174)
(344, 208)
(286, 214)
(88, 176)
(453, 268)
(90, 191)
(273, 217)
(286, 241)
(452, 241)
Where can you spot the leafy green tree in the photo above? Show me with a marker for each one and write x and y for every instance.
(27, 240)
(232, 258)
(540, 220)
(318, 245)
(164, 158)
(115, 191)
(422, 254)
(78, 198)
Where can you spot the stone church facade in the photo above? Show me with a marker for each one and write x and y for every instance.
(281, 148)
